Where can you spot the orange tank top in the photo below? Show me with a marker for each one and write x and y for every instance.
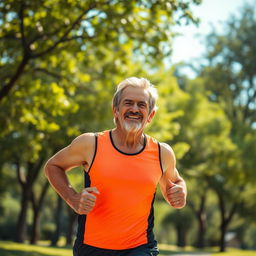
(123, 215)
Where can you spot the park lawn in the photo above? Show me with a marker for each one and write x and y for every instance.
(234, 252)
(8, 248)
(213, 251)
(16, 249)
(166, 249)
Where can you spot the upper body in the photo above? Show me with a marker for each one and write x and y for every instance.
(133, 108)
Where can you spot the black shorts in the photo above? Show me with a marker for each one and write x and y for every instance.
(143, 250)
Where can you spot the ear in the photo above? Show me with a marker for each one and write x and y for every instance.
(151, 115)
(114, 111)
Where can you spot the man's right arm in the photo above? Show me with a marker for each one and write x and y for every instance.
(79, 152)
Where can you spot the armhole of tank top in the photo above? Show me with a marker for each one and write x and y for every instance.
(159, 153)
(95, 151)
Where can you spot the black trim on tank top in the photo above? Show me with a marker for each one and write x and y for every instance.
(160, 160)
(95, 151)
(81, 221)
(151, 218)
(129, 154)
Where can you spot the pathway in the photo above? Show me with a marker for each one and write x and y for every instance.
(192, 254)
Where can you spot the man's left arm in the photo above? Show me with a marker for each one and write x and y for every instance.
(172, 185)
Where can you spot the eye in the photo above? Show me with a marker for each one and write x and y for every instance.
(142, 104)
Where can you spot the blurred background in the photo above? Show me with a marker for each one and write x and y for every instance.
(60, 62)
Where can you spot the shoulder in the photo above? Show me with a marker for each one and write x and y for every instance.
(83, 141)
(78, 152)
(167, 156)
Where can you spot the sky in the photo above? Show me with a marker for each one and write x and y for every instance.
(189, 45)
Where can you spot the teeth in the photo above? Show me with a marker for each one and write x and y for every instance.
(133, 117)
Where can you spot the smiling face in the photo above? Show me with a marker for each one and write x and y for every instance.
(132, 113)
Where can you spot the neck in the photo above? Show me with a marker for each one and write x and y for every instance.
(129, 142)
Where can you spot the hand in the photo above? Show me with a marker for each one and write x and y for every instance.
(175, 195)
(85, 200)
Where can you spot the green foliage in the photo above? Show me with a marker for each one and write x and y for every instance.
(32, 31)
(231, 70)
(227, 140)
(230, 81)
(164, 127)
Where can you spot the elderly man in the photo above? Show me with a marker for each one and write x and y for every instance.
(122, 168)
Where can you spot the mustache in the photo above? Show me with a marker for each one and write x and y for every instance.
(133, 113)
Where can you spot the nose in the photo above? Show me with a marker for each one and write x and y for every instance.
(135, 108)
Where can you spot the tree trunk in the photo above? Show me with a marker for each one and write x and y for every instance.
(201, 218)
(35, 228)
(72, 217)
(226, 218)
(222, 237)
(21, 230)
(201, 230)
(26, 182)
(57, 218)
(37, 210)
(181, 236)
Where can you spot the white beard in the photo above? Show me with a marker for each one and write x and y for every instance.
(132, 126)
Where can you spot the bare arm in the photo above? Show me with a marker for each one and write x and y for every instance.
(78, 153)
(173, 186)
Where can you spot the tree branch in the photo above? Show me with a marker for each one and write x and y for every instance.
(55, 75)
(25, 46)
(36, 168)
(222, 206)
(33, 200)
(46, 35)
(9, 37)
(78, 37)
(26, 56)
(63, 38)
(202, 204)
(58, 77)
(7, 87)
(43, 192)
(53, 33)
(19, 175)
(250, 99)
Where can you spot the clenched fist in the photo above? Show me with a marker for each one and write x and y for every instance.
(84, 201)
(175, 195)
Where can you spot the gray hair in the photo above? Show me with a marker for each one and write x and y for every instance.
(136, 82)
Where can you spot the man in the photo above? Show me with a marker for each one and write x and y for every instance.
(122, 168)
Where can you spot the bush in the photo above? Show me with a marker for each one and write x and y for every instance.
(47, 231)
(7, 231)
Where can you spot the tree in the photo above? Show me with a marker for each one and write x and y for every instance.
(182, 222)
(37, 205)
(229, 79)
(231, 71)
(36, 30)
(204, 127)
(194, 127)
(197, 203)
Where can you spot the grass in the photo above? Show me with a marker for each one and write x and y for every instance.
(234, 252)
(188, 250)
(16, 249)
